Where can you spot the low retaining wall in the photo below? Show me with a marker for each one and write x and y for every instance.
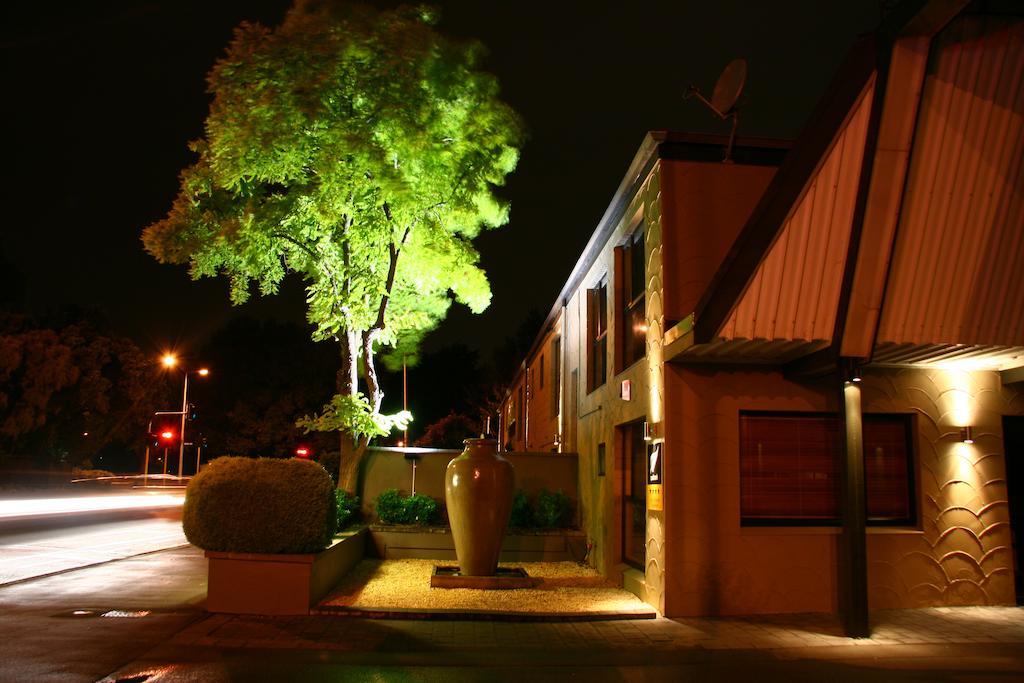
(437, 544)
(388, 468)
(262, 583)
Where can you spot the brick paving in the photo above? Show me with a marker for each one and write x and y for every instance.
(896, 627)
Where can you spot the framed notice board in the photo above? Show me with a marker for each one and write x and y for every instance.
(654, 477)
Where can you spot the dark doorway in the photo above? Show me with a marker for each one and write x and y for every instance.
(633, 484)
(1013, 440)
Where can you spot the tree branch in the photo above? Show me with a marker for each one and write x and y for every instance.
(393, 251)
(376, 395)
(304, 247)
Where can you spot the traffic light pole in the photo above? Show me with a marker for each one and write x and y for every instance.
(181, 435)
(145, 471)
(149, 430)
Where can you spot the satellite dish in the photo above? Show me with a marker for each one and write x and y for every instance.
(723, 99)
(729, 86)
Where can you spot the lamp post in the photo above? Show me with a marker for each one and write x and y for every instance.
(170, 360)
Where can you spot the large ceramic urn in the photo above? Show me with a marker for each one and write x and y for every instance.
(478, 488)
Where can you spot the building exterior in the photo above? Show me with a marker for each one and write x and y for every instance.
(795, 381)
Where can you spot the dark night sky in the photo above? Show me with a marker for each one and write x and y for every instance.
(100, 101)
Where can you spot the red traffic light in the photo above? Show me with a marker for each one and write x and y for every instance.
(302, 452)
(167, 435)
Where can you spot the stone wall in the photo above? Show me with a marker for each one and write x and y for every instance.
(388, 469)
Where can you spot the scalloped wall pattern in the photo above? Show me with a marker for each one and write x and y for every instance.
(961, 554)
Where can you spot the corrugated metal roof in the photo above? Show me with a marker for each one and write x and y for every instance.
(957, 274)
(794, 293)
(774, 352)
(949, 355)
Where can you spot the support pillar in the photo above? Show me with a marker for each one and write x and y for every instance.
(853, 565)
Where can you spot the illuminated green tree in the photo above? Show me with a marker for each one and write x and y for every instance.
(360, 150)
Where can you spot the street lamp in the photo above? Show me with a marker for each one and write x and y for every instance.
(170, 360)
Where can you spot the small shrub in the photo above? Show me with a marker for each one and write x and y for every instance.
(522, 511)
(554, 510)
(394, 508)
(389, 507)
(348, 508)
(420, 509)
(264, 505)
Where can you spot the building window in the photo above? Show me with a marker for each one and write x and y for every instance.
(634, 494)
(520, 408)
(790, 469)
(888, 469)
(597, 333)
(632, 328)
(510, 424)
(556, 375)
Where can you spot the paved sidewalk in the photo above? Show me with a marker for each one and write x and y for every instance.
(162, 633)
(898, 627)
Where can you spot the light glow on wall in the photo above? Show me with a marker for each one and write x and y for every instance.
(960, 404)
(964, 456)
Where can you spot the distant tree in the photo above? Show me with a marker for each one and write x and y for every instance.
(449, 432)
(69, 393)
(360, 150)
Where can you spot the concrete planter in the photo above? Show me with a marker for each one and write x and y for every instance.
(259, 583)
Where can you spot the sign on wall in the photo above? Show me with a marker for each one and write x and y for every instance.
(654, 482)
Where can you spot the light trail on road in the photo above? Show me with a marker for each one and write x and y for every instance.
(31, 507)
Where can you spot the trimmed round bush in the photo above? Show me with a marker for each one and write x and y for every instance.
(260, 506)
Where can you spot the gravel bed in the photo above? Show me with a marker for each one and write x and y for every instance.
(564, 588)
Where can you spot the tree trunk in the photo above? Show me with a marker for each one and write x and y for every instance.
(350, 449)
(376, 394)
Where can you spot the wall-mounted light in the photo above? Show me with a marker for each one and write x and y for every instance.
(967, 434)
(652, 431)
(851, 370)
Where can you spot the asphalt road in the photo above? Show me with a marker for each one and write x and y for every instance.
(33, 552)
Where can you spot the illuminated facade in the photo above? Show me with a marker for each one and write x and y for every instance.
(791, 347)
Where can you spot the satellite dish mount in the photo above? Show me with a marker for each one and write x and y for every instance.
(724, 97)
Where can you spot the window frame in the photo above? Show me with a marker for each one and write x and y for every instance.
(911, 464)
(556, 375)
(597, 334)
(630, 347)
(908, 420)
